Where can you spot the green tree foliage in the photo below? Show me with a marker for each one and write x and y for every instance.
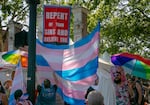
(13, 10)
(125, 24)
(128, 28)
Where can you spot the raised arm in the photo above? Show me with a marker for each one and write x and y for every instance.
(4, 99)
(139, 89)
(55, 78)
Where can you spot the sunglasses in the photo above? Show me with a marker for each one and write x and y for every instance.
(117, 74)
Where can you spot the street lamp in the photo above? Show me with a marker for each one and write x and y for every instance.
(32, 49)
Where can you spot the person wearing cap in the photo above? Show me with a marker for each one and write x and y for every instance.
(21, 99)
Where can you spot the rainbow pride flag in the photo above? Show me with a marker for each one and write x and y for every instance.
(14, 56)
(133, 64)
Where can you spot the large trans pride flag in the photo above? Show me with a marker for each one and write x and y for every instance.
(75, 66)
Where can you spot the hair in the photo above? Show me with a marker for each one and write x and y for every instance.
(116, 68)
(88, 91)
(47, 83)
(95, 98)
(133, 78)
(18, 93)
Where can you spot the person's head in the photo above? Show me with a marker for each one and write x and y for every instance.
(47, 83)
(18, 93)
(7, 84)
(118, 74)
(133, 79)
(95, 98)
(130, 82)
(88, 91)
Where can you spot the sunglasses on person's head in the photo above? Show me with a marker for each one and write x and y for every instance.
(117, 73)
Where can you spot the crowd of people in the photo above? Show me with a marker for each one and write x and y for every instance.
(141, 91)
(129, 90)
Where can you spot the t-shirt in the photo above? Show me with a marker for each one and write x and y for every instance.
(47, 96)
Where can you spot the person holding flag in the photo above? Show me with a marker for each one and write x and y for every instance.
(47, 92)
(21, 99)
(18, 94)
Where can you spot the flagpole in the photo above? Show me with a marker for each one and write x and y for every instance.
(31, 50)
